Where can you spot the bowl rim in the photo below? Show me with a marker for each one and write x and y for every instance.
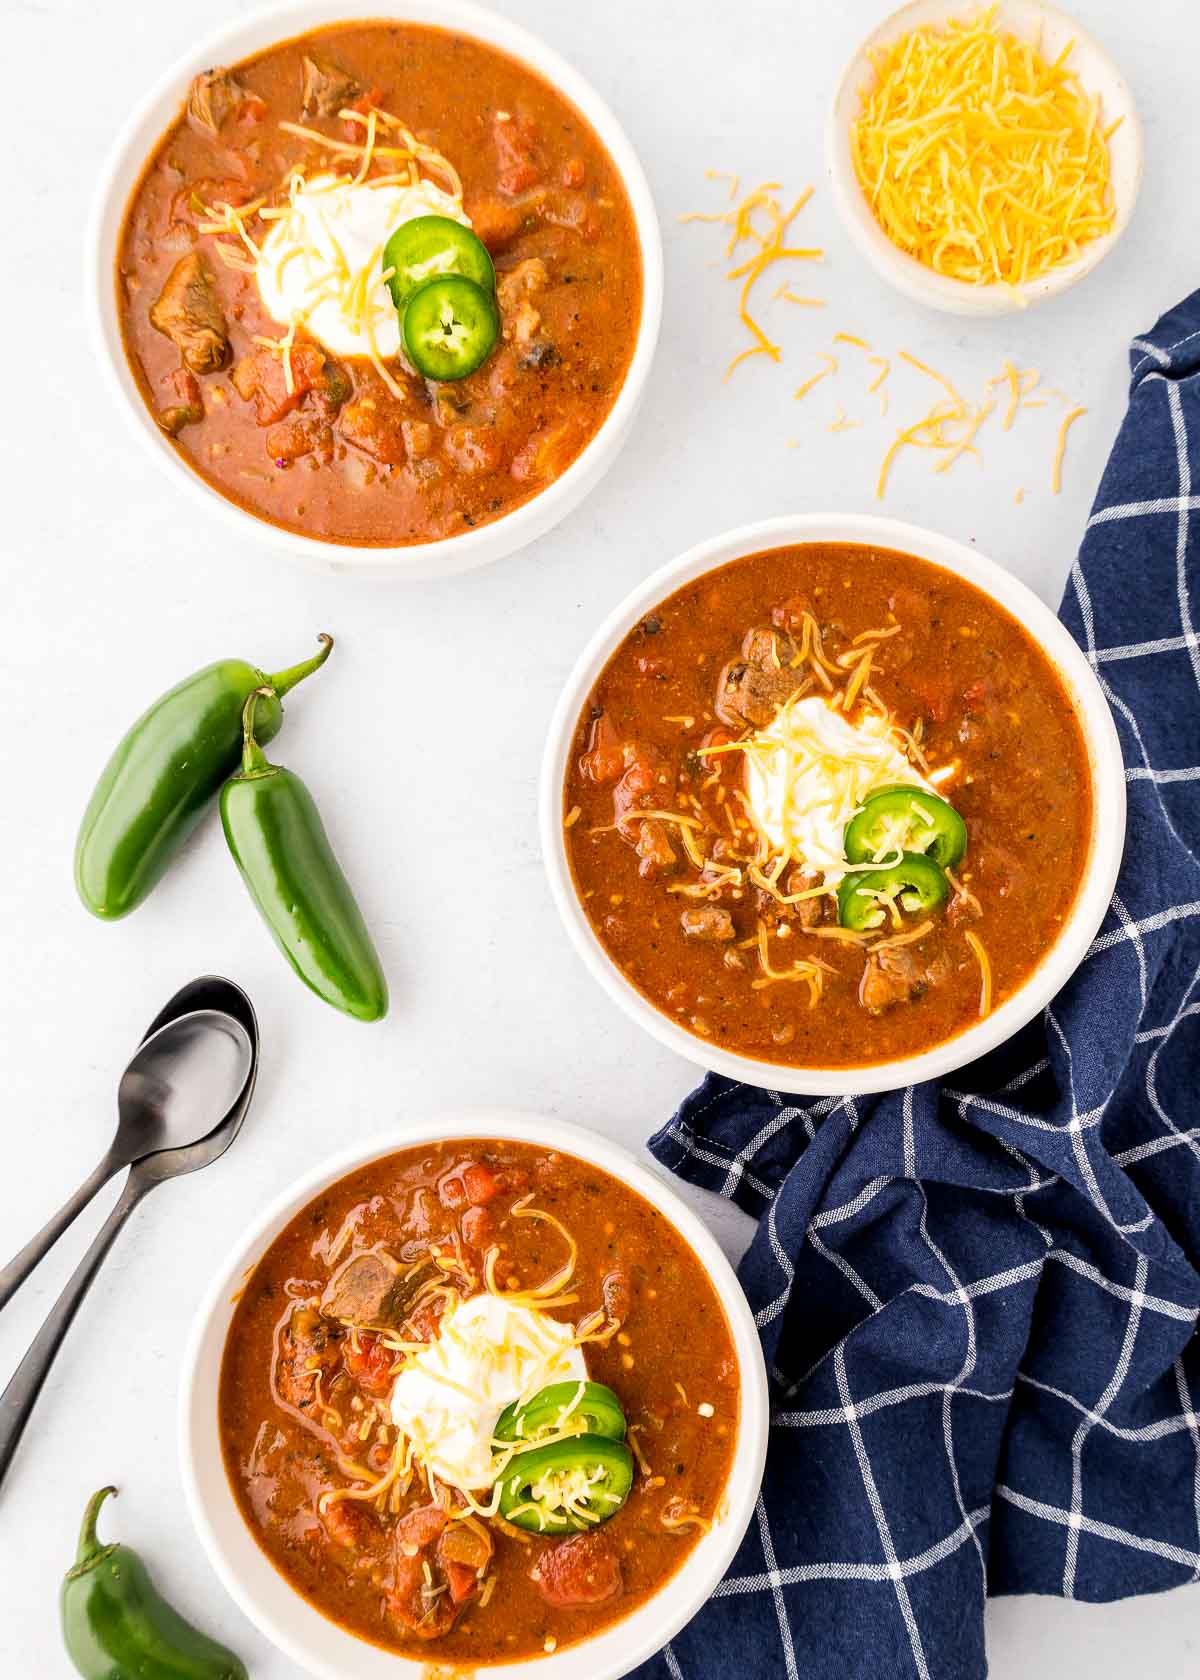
(122, 169)
(322, 1647)
(905, 273)
(1096, 723)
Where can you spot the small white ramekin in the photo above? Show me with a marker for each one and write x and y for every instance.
(121, 172)
(320, 1647)
(1108, 788)
(1097, 73)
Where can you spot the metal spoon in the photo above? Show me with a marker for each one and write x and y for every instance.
(217, 1051)
(165, 1098)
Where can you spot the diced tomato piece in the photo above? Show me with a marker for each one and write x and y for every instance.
(349, 1524)
(260, 377)
(252, 110)
(461, 1580)
(516, 153)
(978, 695)
(573, 172)
(477, 1227)
(465, 1543)
(605, 758)
(480, 1184)
(789, 614)
(577, 1572)
(370, 1364)
(364, 102)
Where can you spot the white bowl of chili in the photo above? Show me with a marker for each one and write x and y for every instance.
(1050, 957)
(224, 1330)
(427, 516)
(1099, 78)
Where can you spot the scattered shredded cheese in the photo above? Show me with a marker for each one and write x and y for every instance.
(1068, 421)
(744, 219)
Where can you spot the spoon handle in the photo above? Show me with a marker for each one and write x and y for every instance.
(19, 1398)
(20, 1266)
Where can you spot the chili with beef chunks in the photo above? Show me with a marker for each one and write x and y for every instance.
(828, 806)
(478, 1401)
(272, 345)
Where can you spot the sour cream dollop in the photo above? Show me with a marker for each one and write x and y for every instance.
(310, 267)
(488, 1352)
(810, 770)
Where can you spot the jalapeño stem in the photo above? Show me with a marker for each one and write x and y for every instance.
(254, 759)
(90, 1548)
(282, 681)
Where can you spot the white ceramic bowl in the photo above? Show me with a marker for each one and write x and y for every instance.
(318, 1646)
(1108, 784)
(120, 175)
(1097, 73)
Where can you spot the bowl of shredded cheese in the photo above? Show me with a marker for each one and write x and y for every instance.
(983, 157)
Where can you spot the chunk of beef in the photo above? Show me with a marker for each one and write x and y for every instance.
(708, 924)
(898, 975)
(189, 314)
(362, 1291)
(309, 1346)
(417, 1598)
(375, 424)
(326, 89)
(648, 781)
(809, 912)
(751, 689)
(577, 1572)
(213, 97)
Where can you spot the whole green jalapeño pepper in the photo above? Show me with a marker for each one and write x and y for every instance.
(158, 783)
(596, 1411)
(566, 1486)
(117, 1627)
(906, 819)
(280, 846)
(915, 884)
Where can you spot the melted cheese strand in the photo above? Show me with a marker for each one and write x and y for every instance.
(985, 973)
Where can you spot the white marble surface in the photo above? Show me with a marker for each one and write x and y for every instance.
(114, 586)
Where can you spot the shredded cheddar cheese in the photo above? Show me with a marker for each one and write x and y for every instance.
(981, 158)
(1061, 448)
(985, 973)
(745, 222)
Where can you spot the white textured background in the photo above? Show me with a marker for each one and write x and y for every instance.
(422, 737)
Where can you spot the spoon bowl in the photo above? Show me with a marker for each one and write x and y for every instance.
(182, 1102)
(194, 1067)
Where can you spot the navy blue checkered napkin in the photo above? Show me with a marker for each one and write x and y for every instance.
(978, 1301)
